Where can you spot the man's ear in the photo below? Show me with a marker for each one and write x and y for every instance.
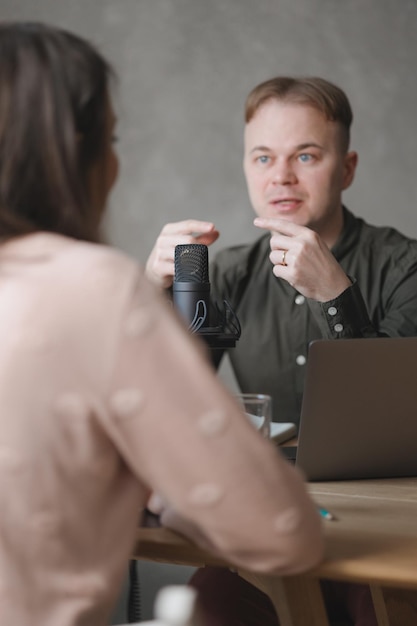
(351, 161)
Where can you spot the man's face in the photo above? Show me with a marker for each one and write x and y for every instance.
(295, 166)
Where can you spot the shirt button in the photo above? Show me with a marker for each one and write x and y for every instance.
(299, 299)
(332, 310)
(338, 328)
(301, 360)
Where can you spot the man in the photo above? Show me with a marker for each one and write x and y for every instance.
(319, 272)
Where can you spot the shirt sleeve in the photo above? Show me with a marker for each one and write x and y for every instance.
(389, 308)
(345, 316)
(182, 434)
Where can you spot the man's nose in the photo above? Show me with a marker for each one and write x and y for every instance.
(283, 173)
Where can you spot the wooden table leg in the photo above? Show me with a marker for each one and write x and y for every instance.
(298, 600)
(401, 607)
(379, 606)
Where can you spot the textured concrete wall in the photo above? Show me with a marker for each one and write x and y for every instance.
(185, 68)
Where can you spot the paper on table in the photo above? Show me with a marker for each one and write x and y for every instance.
(280, 431)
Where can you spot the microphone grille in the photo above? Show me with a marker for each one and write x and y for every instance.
(191, 263)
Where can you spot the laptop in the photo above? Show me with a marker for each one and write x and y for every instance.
(359, 410)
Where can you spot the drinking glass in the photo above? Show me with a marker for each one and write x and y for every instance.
(257, 406)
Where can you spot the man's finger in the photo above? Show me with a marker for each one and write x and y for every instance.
(279, 226)
(208, 238)
(188, 227)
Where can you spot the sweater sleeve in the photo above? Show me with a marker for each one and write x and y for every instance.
(180, 432)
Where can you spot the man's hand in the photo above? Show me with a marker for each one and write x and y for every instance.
(301, 257)
(160, 264)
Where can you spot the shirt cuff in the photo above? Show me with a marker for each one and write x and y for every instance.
(345, 316)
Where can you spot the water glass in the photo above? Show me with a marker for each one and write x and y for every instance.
(257, 406)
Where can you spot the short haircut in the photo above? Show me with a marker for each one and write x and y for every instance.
(53, 120)
(316, 92)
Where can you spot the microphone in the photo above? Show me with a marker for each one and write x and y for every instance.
(191, 287)
(191, 297)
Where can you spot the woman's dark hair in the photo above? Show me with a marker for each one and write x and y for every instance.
(53, 120)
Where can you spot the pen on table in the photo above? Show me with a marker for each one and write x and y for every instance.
(326, 514)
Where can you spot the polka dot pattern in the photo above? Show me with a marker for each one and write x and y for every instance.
(205, 494)
(127, 403)
(10, 461)
(212, 423)
(287, 521)
(71, 406)
(45, 523)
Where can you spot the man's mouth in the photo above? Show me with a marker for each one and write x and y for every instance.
(285, 204)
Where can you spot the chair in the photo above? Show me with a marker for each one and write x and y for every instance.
(174, 606)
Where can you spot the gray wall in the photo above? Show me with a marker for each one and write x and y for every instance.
(185, 67)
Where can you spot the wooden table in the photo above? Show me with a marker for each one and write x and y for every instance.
(373, 540)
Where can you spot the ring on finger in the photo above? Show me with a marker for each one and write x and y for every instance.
(283, 261)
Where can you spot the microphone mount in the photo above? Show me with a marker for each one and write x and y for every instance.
(226, 332)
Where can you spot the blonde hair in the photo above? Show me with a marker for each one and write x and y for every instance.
(319, 93)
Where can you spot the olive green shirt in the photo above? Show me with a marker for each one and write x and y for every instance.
(278, 323)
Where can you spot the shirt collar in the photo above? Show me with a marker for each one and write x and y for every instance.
(349, 236)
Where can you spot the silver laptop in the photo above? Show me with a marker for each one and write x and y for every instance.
(359, 410)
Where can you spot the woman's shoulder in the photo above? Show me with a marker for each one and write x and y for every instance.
(97, 269)
(82, 257)
(84, 252)
(72, 267)
(45, 246)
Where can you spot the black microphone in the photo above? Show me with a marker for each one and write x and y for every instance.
(191, 297)
(191, 287)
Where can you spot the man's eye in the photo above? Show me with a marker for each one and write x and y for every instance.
(263, 159)
(305, 158)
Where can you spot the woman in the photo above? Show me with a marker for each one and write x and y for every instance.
(104, 397)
